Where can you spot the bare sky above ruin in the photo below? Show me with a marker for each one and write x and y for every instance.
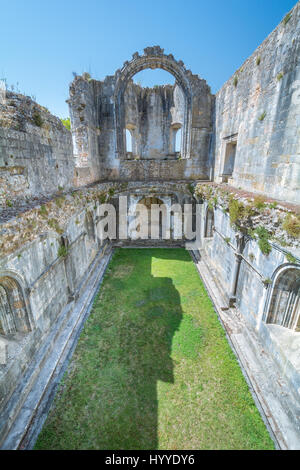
(42, 43)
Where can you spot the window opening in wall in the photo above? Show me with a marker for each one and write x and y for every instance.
(229, 158)
(178, 141)
(285, 301)
(176, 138)
(128, 141)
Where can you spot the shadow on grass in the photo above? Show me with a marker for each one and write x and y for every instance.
(109, 398)
(146, 334)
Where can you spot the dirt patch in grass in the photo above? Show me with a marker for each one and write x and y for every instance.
(152, 368)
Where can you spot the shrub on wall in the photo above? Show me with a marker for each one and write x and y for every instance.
(67, 123)
(37, 119)
(287, 18)
(263, 239)
(262, 116)
(291, 225)
(259, 202)
(62, 251)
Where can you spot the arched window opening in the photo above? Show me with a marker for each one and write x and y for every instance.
(284, 307)
(147, 87)
(13, 315)
(209, 224)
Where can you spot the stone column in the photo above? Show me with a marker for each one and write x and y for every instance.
(240, 241)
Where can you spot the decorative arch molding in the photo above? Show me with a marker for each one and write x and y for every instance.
(278, 274)
(153, 58)
(17, 293)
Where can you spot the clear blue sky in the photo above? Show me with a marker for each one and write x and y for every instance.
(43, 41)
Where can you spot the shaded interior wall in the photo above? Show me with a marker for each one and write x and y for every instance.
(36, 155)
(150, 114)
(259, 107)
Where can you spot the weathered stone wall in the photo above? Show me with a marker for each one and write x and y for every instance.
(259, 109)
(36, 155)
(50, 272)
(100, 112)
(245, 271)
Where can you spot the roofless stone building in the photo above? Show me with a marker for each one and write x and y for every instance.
(238, 158)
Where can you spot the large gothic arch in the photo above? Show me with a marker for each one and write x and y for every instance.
(152, 58)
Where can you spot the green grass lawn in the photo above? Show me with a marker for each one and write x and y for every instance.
(152, 368)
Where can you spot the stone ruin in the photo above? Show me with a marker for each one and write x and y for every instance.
(236, 154)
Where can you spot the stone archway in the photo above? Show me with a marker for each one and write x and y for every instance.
(152, 58)
(13, 313)
(284, 305)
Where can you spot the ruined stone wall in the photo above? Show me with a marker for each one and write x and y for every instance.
(49, 253)
(36, 155)
(249, 244)
(259, 109)
(101, 110)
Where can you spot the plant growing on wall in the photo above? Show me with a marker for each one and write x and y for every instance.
(259, 202)
(267, 281)
(291, 225)
(53, 223)
(290, 258)
(62, 251)
(258, 60)
(287, 18)
(43, 211)
(212, 202)
(37, 119)
(190, 188)
(262, 116)
(235, 81)
(67, 123)
(263, 239)
(236, 210)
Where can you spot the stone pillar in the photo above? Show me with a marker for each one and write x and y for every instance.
(240, 241)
